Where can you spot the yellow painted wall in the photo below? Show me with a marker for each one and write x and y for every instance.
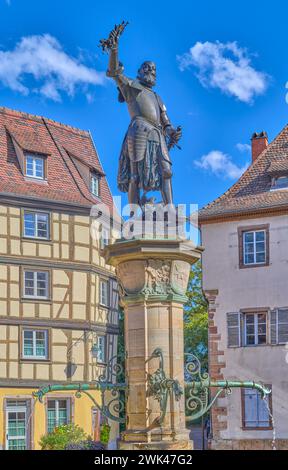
(81, 409)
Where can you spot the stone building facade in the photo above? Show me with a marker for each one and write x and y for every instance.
(245, 235)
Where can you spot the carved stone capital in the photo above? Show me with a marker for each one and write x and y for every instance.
(153, 278)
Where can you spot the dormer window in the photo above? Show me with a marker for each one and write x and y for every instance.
(94, 184)
(34, 166)
(280, 183)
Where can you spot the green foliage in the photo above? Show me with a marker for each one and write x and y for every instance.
(105, 433)
(196, 317)
(61, 436)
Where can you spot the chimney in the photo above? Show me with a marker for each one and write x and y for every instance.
(259, 142)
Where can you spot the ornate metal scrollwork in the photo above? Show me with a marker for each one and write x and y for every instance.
(112, 391)
(198, 385)
(160, 387)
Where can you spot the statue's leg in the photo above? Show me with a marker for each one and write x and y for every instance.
(133, 191)
(166, 189)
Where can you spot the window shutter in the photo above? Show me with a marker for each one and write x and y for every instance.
(282, 326)
(234, 329)
(274, 326)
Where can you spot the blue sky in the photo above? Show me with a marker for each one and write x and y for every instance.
(222, 73)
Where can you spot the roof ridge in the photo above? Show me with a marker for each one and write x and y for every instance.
(35, 117)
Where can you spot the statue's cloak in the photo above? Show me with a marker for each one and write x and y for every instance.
(145, 144)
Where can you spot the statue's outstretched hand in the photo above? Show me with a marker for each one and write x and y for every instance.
(112, 41)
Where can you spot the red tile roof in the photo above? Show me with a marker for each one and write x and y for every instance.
(252, 193)
(44, 136)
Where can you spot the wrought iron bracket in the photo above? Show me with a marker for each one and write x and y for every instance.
(111, 406)
(197, 389)
(160, 387)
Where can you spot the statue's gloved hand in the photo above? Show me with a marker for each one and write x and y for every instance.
(174, 135)
(113, 38)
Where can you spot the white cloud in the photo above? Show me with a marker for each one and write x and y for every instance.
(43, 58)
(227, 67)
(220, 164)
(243, 147)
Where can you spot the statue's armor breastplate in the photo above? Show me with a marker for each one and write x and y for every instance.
(145, 125)
(144, 103)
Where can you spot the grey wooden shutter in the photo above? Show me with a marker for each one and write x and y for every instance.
(274, 326)
(234, 329)
(282, 326)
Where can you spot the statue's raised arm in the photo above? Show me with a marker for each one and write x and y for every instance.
(144, 163)
(111, 45)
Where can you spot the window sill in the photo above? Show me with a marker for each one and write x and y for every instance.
(32, 179)
(265, 428)
(35, 300)
(35, 361)
(47, 241)
(247, 266)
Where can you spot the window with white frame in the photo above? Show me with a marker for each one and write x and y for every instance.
(255, 413)
(34, 344)
(254, 247)
(36, 284)
(36, 225)
(94, 184)
(35, 167)
(58, 413)
(17, 432)
(104, 292)
(101, 351)
(255, 329)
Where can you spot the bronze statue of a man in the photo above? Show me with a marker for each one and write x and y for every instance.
(144, 162)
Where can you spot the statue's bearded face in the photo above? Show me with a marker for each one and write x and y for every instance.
(147, 74)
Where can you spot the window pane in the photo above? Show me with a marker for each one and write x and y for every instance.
(42, 225)
(29, 283)
(249, 248)
(51, 415)
(104, 292)
(249, 259)
(262, 339)
(29, 166)
(250, 319)
(249, 237)
(29, 225)
(250, 340)
(101, 348)
(39, 167)
(42, 284)
(260, 247)
(260, 258)
(28, 343)
(260, 236)
(95, 185)
(41, 343)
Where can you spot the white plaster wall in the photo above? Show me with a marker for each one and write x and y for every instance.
(265, 287)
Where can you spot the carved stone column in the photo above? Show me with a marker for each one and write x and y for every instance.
(153, 276)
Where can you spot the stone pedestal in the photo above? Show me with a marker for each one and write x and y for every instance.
(153, 276)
